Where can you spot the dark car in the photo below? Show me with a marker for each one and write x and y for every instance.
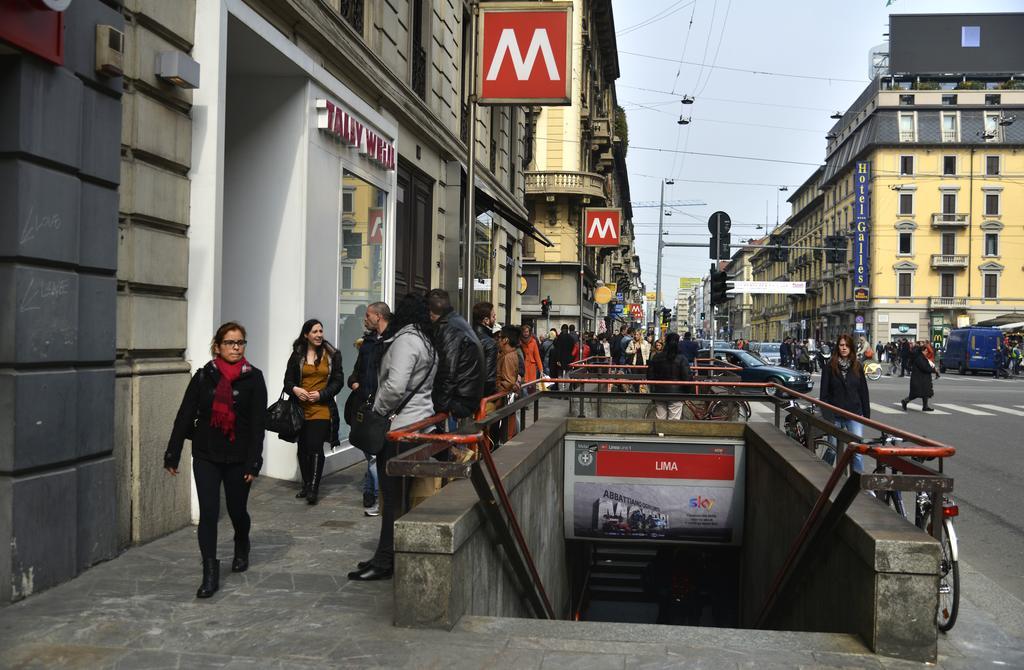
(754, 368)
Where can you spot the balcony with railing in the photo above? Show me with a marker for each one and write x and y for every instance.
(906, 136)
(950, 220)
(953, 261)
(564, 182)
(947, 303)
(950, 136)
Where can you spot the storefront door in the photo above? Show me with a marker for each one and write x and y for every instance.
(413, 227)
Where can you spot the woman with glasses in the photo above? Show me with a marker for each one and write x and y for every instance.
(314, 376)
(222, 413)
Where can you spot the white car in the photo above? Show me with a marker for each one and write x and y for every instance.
(768, 350)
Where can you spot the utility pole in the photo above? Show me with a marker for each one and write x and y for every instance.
(470, 248)
(661, 241)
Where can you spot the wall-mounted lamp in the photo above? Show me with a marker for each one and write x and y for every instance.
(176, 68)
(549, 198)
(585, 199)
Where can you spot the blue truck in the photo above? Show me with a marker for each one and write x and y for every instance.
(971, 349)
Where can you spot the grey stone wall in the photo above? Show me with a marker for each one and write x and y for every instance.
(877, 578)
(152, 270)
(59, 152)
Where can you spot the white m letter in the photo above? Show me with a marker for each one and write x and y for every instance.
(602, 230)
(508, 43)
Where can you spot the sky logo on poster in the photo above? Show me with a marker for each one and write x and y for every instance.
(700, 502)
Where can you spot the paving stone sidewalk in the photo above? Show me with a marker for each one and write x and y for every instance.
(295, 609)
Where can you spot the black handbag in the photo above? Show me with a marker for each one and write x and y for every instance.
(368, 429)
(285, 417)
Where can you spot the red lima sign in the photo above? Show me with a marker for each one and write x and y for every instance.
(525, 53)
(335, 121)
(601, 227)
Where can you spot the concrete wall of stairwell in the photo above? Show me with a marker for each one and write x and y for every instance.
(877, 577)
(448, 562)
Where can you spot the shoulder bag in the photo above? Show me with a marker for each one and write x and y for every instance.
(285, 417)
(368, 429)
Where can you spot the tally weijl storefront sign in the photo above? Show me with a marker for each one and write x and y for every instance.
(335, 121)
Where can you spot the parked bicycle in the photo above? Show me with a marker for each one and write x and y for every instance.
(873, 370)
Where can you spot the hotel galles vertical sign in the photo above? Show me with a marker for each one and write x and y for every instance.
(861, 230)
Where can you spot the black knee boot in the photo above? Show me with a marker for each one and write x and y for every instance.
(211, 578)
(306, 475)
(317, 465)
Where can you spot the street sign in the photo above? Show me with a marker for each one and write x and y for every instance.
(719, 221)
(525, 53)
(795, 287)
(858, 324)
(601, 227)
(636, 310)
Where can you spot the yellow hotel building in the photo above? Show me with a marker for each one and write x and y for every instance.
(946, 215)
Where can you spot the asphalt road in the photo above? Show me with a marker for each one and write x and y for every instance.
(984, 419)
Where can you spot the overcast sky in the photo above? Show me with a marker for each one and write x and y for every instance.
(737, 112)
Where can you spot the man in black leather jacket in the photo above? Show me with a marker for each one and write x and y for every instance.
(483, 320)
(459, 384)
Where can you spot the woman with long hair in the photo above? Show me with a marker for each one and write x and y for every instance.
(223, 414)
(844, 385)
(405, 381)
(314, 376)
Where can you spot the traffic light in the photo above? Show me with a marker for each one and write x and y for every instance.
(718, 247)
(666, 315)
(836, 252)
(719, 287)
(545, 306)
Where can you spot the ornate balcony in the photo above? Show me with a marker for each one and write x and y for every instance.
(950, 220)
(567, 183)
(954, 261)
(947, 303)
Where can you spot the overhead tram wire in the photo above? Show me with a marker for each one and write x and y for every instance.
(738, 102)
(659, 16)
(718, 48)
(739, 123)
(714, 155)
(749, 71)
(675, 82)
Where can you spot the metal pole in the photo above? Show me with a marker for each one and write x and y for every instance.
(470, 248)
(661, 245)
(714, 268)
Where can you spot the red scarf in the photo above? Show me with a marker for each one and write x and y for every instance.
(223, 415)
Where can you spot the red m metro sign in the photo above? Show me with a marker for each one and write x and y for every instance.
(601, 227)
(525, 53)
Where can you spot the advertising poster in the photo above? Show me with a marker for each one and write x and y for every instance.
(658, 489)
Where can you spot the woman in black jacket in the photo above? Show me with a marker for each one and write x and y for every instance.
(844, 385)
(314, 376)
(921, 371)
(223, 414)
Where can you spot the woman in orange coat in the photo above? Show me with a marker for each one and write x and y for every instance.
(531, 354)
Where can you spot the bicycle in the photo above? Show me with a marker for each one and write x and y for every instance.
(873, 370)
(949, 561)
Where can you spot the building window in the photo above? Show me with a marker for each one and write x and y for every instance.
(948, 244)
(906, 99)
(993, 99)
(906, 246)
(949, 165)
(348, 201)
(949, 128)
(947, 287)
(419, 52)
(991, 127)
(949, 203)
(906, 204)
(991, 285)
(905, 287)
(991, 204)
(346, 278)
(906, 165)
(352, 12)
(532, 286)
(495, 133)
(949, 99)
(907, 128)
(513, 149)
(992, 166)
(991, 244)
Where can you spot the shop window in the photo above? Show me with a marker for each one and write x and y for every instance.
(905, 287)
(949, 165)
(906, 244)
(991, 285)
(991, 244)
(992, 166)
(483, 258)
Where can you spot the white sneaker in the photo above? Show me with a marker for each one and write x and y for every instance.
(372, 511)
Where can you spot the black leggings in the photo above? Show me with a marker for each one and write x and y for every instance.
(393, 505)
(209, 476)
(311, 448)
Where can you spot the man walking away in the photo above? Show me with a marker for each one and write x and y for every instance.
(690, 348)
(905, 356)
(459, 384)
(363, 382)
(561, 353)
(785, 353)
(483, 322)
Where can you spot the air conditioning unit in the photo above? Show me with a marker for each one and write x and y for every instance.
(109, 51)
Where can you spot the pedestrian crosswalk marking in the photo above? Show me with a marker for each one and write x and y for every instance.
(917, 408)
(1006, 410)
(883, 409)
(965, 410)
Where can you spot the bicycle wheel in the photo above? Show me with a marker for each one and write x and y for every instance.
(724, 410)
(825, 450)
(873, 372)
(949, 581)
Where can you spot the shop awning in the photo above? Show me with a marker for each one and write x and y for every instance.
(1010, 318)
(485, 202)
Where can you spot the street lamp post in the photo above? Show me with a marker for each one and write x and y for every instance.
(661, 241)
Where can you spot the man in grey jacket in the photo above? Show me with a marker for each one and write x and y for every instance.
(404, 385)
